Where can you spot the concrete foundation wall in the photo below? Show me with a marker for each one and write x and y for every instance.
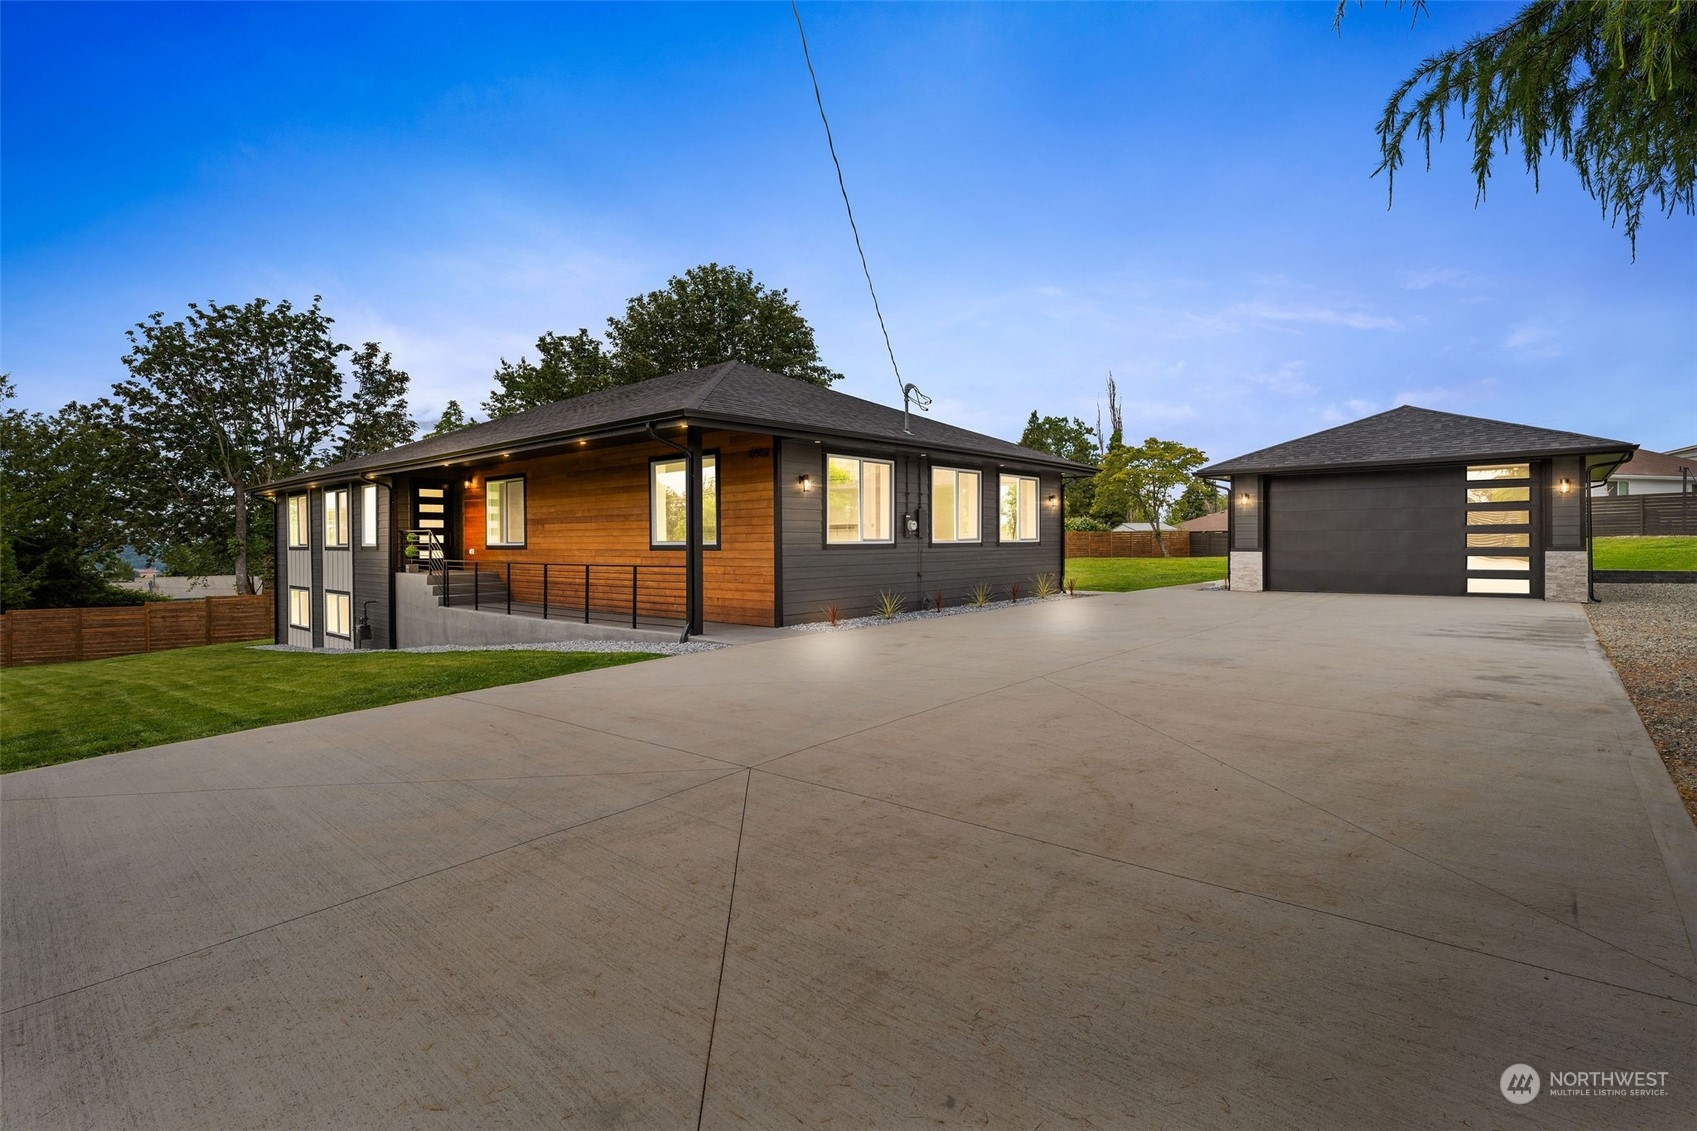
(1566, 576)
(420, 621)
(1246, 571)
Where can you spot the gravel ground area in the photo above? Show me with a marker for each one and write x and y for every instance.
(672, 649)
(922, 614)
(1650, 633)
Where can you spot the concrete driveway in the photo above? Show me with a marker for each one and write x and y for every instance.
(1175, 859)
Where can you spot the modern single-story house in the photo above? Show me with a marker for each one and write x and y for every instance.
(726, 494)
(1420, 502)
(1651, 473)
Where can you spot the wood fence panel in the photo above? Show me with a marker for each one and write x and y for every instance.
(56, 636)
(1126, 544)
(1644, 514)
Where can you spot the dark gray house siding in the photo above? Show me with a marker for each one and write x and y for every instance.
(813, 574)
(280, 560)
(372, 569)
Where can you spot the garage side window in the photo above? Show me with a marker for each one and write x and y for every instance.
(954, 505)
(1499, 529)
(298, 522)
(859, 500)
(503, 518)
(1019, 508)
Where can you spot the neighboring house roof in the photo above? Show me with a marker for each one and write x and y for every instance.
(1688, 450)
(1646, 464)
(1215, 521)
(1132, 527)
(1410, 435)
(729, 395)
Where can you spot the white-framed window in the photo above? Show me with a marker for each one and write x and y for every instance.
(336, 517)
(859, 499)
(955, 505)
(1018, 507)
(299, 523)
(668, 516)
(503, 515)
(337, 613)
(300, 607)
(368, 514)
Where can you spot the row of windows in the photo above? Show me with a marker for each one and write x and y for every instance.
(336, 517)
(337, 610)
(859, 504)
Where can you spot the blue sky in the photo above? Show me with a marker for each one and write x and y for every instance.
(1179, 193)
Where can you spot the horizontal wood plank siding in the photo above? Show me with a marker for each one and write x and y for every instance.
(592, 506)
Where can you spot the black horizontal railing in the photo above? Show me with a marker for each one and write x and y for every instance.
(590, 592)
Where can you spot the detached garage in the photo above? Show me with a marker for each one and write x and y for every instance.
(1419, 502)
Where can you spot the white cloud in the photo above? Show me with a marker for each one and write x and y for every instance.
(1532, 340)
(1441, 277)
(1286, 380)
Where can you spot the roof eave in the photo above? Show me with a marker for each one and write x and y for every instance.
(1228, 468)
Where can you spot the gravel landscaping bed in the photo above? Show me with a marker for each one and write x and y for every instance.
(922, 614)
(1650, 634)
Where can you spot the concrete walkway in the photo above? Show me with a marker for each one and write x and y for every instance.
(1168, 859)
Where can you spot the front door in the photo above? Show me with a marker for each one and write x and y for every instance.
(430, 517)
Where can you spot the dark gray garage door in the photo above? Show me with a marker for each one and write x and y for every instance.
(1369, 532)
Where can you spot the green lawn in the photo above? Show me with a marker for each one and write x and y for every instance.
(62, 712)
(1645, 553)
(1122, 575)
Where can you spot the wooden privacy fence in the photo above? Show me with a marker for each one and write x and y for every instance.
(55, 636)
(1644, 514)
(1126, 544)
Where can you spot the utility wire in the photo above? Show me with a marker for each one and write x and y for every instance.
(853, 227)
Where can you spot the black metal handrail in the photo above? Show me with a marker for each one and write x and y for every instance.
(587, 591)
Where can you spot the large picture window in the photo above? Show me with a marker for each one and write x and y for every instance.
(300, 607)
(368, 514)
(503, 516)
(298, 522)
(1019, 508)
(955, 505)
(336, 517)
(668, 512)
(336, 614)
(859, 500)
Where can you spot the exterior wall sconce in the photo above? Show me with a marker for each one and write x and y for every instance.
(1243, 498)
(468, 484)
(1566, 486)
(805, 483)
(1052, 499)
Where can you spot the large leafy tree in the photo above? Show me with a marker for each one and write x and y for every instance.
(566, 366)
(706, 315)
(232, 396)
(1069, 438)
(1145, 479)
(453, 418)
(1607, 85)
(62, 511)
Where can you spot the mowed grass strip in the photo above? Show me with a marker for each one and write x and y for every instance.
(1654, 552)
(62, 712)
(1123, 575)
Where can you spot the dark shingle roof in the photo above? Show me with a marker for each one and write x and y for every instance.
(728, 394)
(1410, 435)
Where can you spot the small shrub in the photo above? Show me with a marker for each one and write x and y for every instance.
(1072, 587)
(1085, 522)
(1013, 591)
(981, 595)
(890, 604)
(833, 613)
(937, 600)
(1044, 586)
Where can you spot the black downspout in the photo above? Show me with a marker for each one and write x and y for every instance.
(693, 561)
(1063, 499)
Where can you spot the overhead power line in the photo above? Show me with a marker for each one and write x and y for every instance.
(906, 389)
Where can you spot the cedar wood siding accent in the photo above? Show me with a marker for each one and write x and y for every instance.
(852, 576)
(592, 507)
(371, 568)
